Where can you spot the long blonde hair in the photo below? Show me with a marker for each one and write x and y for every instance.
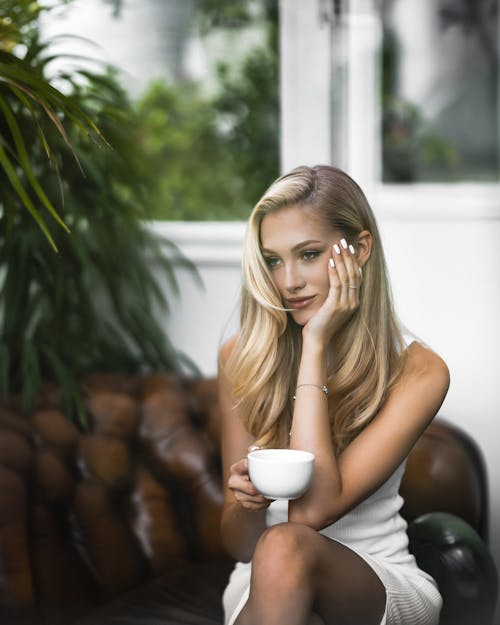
(365, 354)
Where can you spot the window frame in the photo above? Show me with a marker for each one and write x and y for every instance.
(362, 29)
(315, 35)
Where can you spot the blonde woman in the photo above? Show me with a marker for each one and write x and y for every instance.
(320, 363)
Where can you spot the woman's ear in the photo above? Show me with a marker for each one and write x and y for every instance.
(363, 247)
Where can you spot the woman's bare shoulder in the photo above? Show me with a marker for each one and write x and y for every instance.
(422, 362)
(227, 348)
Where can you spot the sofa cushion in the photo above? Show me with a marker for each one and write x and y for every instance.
(188, 595)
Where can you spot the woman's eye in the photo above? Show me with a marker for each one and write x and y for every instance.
(272, 261)
(310, 254)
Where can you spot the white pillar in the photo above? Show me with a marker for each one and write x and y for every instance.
(305, 84)
(364, 37)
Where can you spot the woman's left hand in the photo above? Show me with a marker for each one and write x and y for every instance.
(345, 278)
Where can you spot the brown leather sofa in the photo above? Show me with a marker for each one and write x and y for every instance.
(120, 525)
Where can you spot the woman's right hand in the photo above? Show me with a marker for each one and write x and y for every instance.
(345, 279)
(242, 488)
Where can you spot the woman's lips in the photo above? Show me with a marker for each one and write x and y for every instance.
(300, 302)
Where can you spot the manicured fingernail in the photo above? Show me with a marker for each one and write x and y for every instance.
(332, 264)
(343, 243)
(336, 248)
(351, 249)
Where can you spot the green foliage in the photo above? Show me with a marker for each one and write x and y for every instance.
(189, 157)
(19, 21)
(250, 106)
(411, 149)
(221, 152)
(96, 304)
(27, 98)
(223, 13)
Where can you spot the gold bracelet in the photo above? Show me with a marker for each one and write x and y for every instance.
(323, 388)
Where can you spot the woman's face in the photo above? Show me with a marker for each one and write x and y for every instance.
(297, 247)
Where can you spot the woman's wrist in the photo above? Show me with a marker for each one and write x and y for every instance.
(312, 345)
(313, 365)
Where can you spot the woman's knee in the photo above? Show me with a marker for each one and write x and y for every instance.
(284, 546)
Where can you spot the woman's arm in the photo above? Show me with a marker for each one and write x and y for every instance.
(340, 483)
(369, 460)
(244, 510)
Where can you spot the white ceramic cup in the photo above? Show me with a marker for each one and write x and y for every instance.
(281, 473)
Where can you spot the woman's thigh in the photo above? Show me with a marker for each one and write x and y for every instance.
(315, 574)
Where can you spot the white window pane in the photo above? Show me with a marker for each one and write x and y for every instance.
(440, 91)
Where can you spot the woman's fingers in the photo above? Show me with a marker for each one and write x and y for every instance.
(256, 505)
(239, 478)
(349, 277)
(354, 276)
(242, 484)
(242, 488)
(252, 500)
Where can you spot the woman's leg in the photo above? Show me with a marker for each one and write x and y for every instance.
(297, 573)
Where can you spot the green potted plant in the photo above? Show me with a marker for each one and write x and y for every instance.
(96, 304)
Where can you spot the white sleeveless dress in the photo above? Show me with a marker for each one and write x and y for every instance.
(377, 532)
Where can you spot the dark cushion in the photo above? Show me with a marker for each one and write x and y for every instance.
(450, 550)
(189, 595)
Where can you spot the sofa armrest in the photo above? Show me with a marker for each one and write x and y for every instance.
(449, 549)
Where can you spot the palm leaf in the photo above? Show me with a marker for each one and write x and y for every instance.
(23, 196)
(24, 161)
(27, 85)
(40, 133)
(46, 105)
(21, 75)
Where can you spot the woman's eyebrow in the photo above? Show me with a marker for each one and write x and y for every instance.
(295, 247)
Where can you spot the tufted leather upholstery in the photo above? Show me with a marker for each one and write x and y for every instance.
(121, 524)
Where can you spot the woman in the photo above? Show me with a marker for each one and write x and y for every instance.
(320, 363)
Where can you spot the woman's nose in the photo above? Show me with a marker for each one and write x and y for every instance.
(293, 279)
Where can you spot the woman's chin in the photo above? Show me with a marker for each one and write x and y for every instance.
(301, 317)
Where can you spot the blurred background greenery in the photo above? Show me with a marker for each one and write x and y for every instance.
(212, 137)
(221, 151)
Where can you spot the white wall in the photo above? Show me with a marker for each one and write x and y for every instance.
(445, 281)
(202, 316)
